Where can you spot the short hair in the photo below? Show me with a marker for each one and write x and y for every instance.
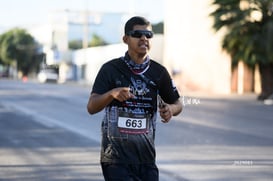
(136, 20)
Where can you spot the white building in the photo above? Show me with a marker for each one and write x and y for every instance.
(65, 26)
(193, 50)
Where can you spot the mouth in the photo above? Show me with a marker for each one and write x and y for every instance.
(143, 45)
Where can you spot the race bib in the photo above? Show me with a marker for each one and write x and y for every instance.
(132, 123)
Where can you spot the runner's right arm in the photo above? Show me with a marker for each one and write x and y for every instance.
(97, 102)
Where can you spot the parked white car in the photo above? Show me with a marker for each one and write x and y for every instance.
(48, 75)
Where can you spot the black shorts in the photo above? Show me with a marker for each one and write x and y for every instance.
(129, 172)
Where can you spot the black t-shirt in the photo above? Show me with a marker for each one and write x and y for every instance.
(128, 127)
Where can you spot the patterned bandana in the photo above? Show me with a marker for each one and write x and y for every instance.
(134, 67)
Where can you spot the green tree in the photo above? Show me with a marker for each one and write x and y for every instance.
(75, 44)
(18, 46)
(97, 41)
(248, 27)
(158, 28)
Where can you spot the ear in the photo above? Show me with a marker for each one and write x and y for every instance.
(125, 39)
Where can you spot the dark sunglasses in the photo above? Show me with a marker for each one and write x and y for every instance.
(140, 33)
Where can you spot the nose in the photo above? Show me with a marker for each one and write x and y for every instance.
(143, 37)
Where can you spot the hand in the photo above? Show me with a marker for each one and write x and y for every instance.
(165, 113)
(122, 94)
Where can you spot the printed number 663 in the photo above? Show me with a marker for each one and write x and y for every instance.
(133, 123)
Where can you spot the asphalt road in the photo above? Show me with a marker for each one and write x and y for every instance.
(46, 134)
(31, 151)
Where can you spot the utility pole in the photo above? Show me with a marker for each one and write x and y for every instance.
(85, 27)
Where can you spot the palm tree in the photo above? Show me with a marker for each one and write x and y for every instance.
(248, 26)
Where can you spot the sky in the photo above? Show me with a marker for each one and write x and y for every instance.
(30, 12)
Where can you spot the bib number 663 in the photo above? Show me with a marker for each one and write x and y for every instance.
(131, 123)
